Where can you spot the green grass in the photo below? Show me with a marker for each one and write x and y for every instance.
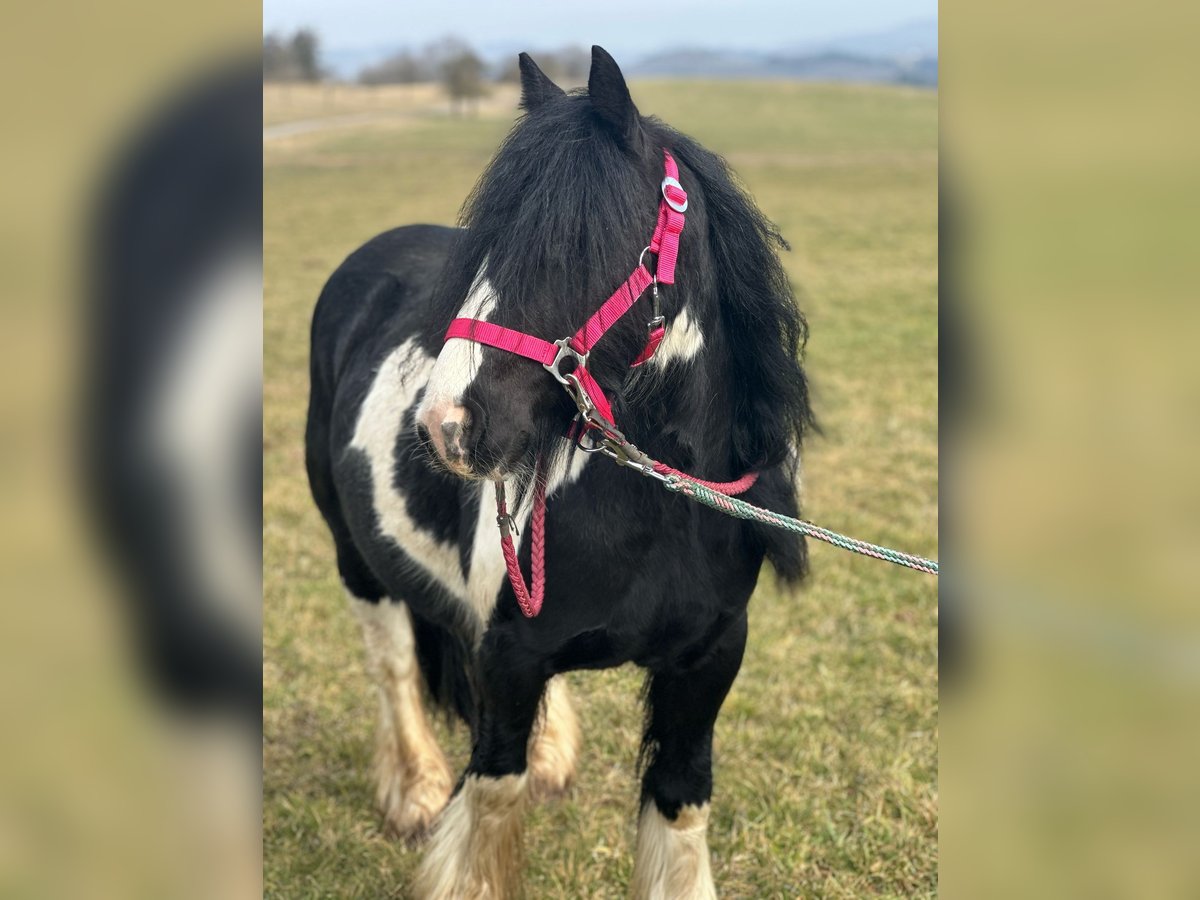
(826, 751)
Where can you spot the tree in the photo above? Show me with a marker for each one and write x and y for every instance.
(399, 68)
(568, 66)
(462, 74)
(305, 49)
(292, 59)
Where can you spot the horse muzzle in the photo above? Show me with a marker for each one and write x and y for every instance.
(451, 432)
(465, 445)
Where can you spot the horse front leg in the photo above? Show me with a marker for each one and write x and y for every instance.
(672, 843)
(413, 779)
(476, 847)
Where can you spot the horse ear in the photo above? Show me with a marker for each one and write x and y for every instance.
(536, 88)
(610, 97)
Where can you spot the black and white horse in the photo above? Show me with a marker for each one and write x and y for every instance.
(406, 435)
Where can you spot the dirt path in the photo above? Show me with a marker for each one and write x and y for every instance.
(326, 123)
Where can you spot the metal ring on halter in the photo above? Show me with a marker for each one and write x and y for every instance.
(642, 256)
(594, 444)
(674, 182)
(565, 350)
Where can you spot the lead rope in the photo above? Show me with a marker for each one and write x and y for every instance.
(703, 493)
(718, 495)
(530, 599)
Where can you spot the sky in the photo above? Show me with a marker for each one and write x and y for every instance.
(624, 27)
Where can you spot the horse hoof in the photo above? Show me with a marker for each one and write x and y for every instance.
(550, 786)
(410, 807)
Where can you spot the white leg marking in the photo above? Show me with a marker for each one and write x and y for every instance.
(414, 780)
(683, 340)
(554, 744)
(379, 423)
(475, 851)
(672, 857)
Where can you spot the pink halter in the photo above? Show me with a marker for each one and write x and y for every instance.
(595, 410)
(664, 243)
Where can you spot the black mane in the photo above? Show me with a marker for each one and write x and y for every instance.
(557, 182)
(765, 328)
(563, 212)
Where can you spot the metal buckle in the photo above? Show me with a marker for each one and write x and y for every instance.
(674, 182)
(507, 524)
(658, 320)
(564, 350)
(575, 389)
(620, 451)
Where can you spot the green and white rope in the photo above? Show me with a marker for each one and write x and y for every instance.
(741, 509)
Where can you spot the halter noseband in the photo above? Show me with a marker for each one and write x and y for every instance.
(579, 383)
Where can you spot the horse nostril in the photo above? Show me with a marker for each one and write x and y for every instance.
(423, 435)
(452, 435)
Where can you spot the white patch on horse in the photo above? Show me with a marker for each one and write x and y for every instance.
(487, 570)
(214, 377)
(672, 856)
(683, 340)
(379, 422)
(459, 360)
(475, 851)
(378, 428)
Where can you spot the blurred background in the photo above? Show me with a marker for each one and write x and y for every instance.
(1065, 223)
(130, 540)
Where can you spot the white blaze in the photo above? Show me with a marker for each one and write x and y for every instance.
(459, 360)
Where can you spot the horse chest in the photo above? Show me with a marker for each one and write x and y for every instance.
(444, 527)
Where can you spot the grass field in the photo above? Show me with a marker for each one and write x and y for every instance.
(826, 751)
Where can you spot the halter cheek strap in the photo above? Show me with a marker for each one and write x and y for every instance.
(664, 244)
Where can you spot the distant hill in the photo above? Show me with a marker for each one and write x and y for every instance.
(824, 66)
(910, 40)
(905, 54)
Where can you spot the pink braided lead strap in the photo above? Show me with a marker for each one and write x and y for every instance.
(529, 600)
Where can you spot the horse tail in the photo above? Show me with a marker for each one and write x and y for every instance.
(786, 550)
